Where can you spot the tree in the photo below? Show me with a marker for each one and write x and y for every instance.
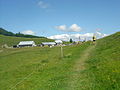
(71, 40)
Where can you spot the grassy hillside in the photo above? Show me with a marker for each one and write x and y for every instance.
(104, 64)
(15, 40)
(83, 67)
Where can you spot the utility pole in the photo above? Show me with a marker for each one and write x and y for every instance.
(79, 38)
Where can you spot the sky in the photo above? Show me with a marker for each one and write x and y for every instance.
(61, 19)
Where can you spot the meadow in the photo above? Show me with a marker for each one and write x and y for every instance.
(84, 67)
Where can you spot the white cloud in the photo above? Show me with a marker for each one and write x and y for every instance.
(75, 37)
(98, 34)
(75, 28)
(28, 32)
(61, 27)
(63, 37)
(43, 4)
(72, 28)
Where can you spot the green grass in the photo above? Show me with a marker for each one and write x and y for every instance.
(83, 67)
(51, 72)
(104, 64)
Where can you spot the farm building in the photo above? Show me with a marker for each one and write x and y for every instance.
(58, 42)
(26, 43)
(48, 43)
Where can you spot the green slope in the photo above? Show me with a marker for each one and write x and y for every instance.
(10, 41)
(104, 64)
(84, 67)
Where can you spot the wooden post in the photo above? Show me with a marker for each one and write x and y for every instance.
(61, 51)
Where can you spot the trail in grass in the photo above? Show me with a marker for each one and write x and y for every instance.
(1, 51)
(80, 64)
(77, 79)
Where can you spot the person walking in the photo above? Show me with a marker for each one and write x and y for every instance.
(94, 39)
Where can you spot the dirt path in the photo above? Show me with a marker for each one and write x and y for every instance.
(80, 66)
(1, 51)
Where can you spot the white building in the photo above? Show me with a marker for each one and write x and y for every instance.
(58, 42)
(26, 43)
(48, 43)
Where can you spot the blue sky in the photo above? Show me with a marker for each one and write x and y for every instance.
(44, 17)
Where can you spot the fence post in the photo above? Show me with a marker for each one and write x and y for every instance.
(61, 51)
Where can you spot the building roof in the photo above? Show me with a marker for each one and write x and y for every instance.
(26, 43)
(48, 43)
(58, 41)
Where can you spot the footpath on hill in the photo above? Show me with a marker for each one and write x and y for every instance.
(77, 79)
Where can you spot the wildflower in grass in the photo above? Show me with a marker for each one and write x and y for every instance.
(114, 80)
(116, 71)
(108, 77)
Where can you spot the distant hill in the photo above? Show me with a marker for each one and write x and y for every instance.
(10, 40)
(7, 33)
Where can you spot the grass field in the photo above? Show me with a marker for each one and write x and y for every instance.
(83, 67)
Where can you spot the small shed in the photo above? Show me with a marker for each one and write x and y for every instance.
(26, 43)
(48, 43)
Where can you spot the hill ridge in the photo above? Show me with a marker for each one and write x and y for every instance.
(8, 33)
